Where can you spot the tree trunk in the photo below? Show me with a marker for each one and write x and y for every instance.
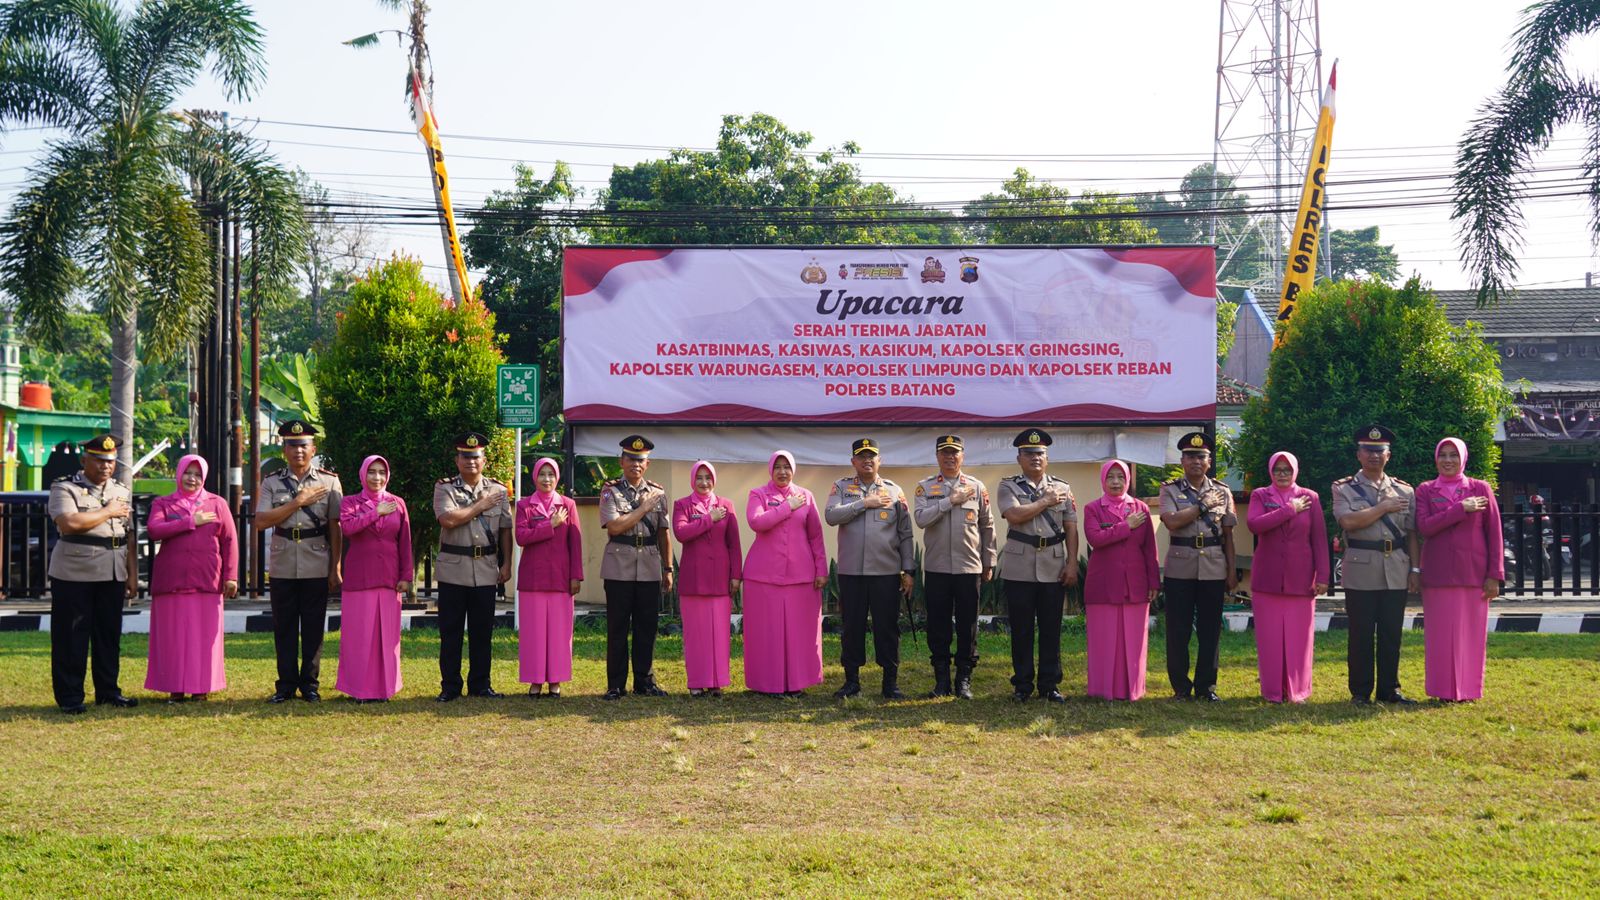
(124, 373)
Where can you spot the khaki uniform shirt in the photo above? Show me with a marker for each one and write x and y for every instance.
(308, 557)
(1184, 560)
(641, 559)
(871, 541)
(84, 562)
(1020, 561)
(482, 531)
(1374, 570)
(957, 540)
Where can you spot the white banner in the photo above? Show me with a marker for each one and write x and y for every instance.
(919, 335)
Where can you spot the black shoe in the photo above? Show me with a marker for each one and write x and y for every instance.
(554, 693)
(75, 709)
(1054, 696)
(1209, 695)
(650, 689)
(1020, 695)
(613, 694)
(1361, 701)
(311, 696)
(447, 696)
(1397, 697)
(117, 700)
(848, 689)
(177, 698)
(488, 694)
(1182, 696)
(964, 688)
(890, 692)
(278, 697)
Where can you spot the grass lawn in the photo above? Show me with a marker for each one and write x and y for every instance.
(750, 794)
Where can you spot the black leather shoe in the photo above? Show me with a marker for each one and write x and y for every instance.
(312, 696)
(964, 688)
(1397, 697)
(447, 696)
(1210, 696)
(893, 693)
(75, 709)
(1361, 701)
(117, 700)
(848, 689)
(613, 694)
(488, 694)
(177, 698)
(1021, 696)
(278, 697)
(1181, 696)
(650, 690)
(1054, 696)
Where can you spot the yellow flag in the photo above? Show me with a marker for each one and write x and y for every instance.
(428, 130)
(1301, 270)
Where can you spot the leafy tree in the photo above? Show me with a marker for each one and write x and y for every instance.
(339, 247)
(106, 212)
(407, 371)
(520, 256)
(1364, 351)
(1357, 255)
(1032, 211)
(1494, 155)
(1205, 195)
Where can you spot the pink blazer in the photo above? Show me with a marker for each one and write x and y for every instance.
(1459, 549)
(553, 557)
(1291, 548)
(1122, 568)
(711, 551)
(192, 560)
(379, 547)
(788, 548)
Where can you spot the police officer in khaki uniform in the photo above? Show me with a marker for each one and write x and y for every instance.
(953, 511)
(93, 571)
(636, 516)
(876, 557)
(1199, 517)
(474, 514)
(301, 506)
(1378, 515)
(1038, 563)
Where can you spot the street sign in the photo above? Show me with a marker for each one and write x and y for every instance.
(517, 396)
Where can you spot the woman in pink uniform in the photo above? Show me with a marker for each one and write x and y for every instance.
(784, 575)
(1462, 567)
(377, 569)
(547, 579)
(708, 578)
(1289, 571)
(1122, 581)
(197, 566)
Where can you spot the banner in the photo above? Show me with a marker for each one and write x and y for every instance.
(1301, 270)
(889, 335)
(428, 130)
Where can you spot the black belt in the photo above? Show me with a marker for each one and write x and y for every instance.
(298, 533)
(1199, 541)
(634, 540)
(1038, 543)
(105, 543)
(1386, 546)
(476, 551)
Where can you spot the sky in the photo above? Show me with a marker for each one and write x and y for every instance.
(945, 100)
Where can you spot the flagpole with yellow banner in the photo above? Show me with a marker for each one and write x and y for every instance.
(428, 131)
(1301, 270)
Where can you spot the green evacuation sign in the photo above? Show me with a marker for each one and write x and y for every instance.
(518, 396)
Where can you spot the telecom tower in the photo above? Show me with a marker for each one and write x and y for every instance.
(1269, 92)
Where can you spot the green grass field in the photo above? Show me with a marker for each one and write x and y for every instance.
(753, 795)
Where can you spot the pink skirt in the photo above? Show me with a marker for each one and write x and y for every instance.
(544, 637)
(705, 639)
(1119, 639)
(1285, 628)
(1455, 631)
(782, 637)
(186, 644)
(369, 644)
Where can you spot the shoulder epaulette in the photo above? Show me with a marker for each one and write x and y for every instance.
(494, 481)
(445, 480)
(1346, 480)
(60, 479)
(613, 482)
(328, 472)
(653, 484)
(1172, 481)
(1399, 481)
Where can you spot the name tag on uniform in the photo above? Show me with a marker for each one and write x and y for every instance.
(1273, 505)
(693, 516)
(775, 501)
(935, 491)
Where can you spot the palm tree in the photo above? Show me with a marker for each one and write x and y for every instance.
(1493, 157)
(107, 216)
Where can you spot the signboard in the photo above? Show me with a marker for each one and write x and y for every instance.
(517, 396)
(913, 335)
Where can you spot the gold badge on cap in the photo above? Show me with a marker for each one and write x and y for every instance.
(1034, 438)
(1197, 441)
(638, 444)
(472, 441)
(107, 444)
(296, 428)
(1375, 434)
